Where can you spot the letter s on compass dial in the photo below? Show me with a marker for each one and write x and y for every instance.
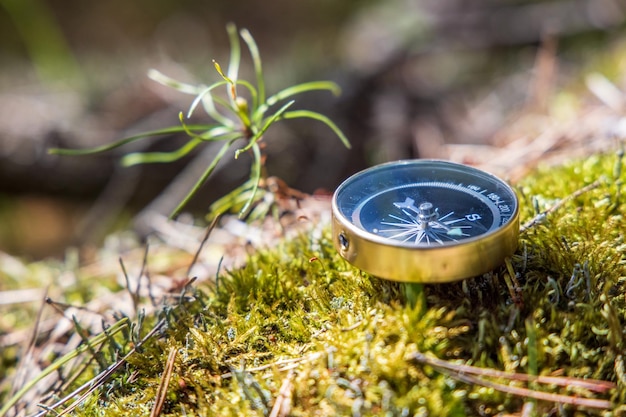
(425, 221)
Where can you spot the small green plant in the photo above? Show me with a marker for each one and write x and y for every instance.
(235, 116)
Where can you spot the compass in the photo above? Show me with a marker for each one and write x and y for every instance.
(425, 221)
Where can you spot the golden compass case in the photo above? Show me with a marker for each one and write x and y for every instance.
(425, 221)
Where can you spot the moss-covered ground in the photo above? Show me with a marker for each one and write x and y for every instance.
(297, 331)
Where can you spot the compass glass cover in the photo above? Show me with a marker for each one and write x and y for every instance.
(425, 203)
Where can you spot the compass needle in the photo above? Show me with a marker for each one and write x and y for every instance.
(390, 214)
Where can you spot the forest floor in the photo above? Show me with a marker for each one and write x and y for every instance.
(266, 318)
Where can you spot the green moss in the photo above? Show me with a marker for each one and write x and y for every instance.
(340, 342)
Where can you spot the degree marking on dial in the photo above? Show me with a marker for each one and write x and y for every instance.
(407, 224)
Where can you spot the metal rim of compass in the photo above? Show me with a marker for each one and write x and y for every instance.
(391, 259)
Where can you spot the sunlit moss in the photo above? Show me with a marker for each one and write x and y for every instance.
(299, 320)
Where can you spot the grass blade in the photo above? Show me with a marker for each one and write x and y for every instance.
(256, 60)
(163, 79)
(236, 198)
(122, 142)
(219, 70)
(319, 117)
(255, 177)
(207, 173)
(235, 52)
(209, 135)
(215, 134)
(136, 158)
(301, 88)
(251, 89)
(258, 135)
(292, 91)
(56, 365)
(208, 104)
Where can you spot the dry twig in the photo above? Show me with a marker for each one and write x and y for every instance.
(470, 374)
(282, 405)
(541, 216)
(165, 380)
(99, 379)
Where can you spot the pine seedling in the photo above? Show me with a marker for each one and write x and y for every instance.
(235, 117)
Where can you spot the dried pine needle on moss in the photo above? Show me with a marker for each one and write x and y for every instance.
(297, 331)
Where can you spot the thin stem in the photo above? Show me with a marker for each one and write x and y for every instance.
(255, 176)
(207, 173)
(115, 328)
(268, 122)
(541, 216)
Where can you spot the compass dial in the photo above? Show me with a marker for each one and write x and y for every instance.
(425, 221)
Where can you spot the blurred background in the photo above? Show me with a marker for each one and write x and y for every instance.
(416, 76)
